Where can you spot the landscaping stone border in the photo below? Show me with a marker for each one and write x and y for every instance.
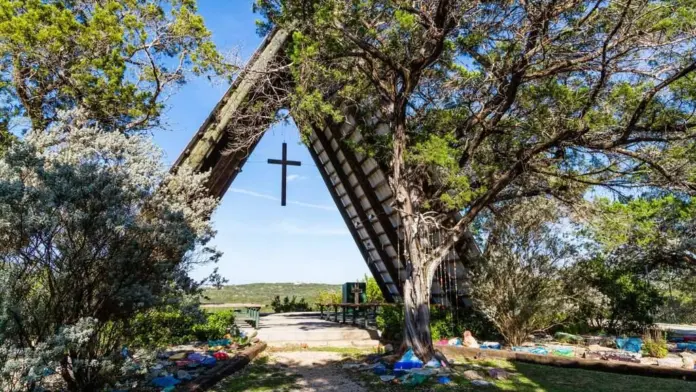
(579, 363)
(224, 369)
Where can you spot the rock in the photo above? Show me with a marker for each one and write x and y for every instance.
(351, 366)
(388, 349)
(528, 344)
(498, 374)
(472, 375)
(670, 362)
(688, 362)
(686, 354)
(387, 377)
(481, 383)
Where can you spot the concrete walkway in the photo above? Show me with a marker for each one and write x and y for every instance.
(307, 328)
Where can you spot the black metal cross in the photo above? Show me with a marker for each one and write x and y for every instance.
(284, 162)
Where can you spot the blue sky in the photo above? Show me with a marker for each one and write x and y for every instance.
(306, 241)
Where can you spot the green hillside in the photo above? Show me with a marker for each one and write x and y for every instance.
(263, 293)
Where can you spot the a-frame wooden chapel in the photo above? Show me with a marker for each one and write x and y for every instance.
(357, 183)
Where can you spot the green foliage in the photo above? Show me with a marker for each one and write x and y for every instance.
(373, 292)
(524, 249)
(655, 348)
(390, 322)
(169, 325)
(114, 59)
(447, 323)
(290, 305)
(217, 325)
(91, 238)
(617, 298)
(329, 297)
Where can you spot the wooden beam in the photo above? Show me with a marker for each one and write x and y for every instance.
(351, 227)
(343, 178)
(635, 369)
(369, 191)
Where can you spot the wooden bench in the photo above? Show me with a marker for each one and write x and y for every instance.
(368, 310)
(248, 312)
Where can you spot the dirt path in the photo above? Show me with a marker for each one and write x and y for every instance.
(319, 371)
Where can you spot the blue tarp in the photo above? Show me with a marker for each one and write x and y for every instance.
(633, 345)
(686, 346)
(532, 350)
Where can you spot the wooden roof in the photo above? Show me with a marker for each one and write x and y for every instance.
(357, 183)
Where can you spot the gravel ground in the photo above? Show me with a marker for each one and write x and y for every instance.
(320, 371)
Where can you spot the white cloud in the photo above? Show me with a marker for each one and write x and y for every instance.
(295, 177)
(269, 197)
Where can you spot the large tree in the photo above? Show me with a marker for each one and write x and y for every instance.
(116, 60)
(93, 229)
(472, 104)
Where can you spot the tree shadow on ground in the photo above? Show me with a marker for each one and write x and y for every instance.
(302, 374)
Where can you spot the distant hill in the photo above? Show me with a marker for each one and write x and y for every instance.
(263, 293)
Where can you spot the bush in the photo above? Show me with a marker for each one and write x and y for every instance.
(328, 297)
(520, 281)
(390, 322)
(178, 325)
(290, 305)
(655, 345)
(216, 326)
(171, 325)
(616, 298)
(448, 323)
(93, 230)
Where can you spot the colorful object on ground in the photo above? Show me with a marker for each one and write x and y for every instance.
(380, 369)
(531, 350)
(491, 346)
(455, 342)
(443, 380)
(164, 382)
(469, 340)
(563, 352)
(433, 363)
(633, 345)
(221, 356)
(178, 356)
(414, 379)
(219, 342)
(408, 361)
(204, 360)
(686, 346)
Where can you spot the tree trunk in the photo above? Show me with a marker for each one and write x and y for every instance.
(417, 313)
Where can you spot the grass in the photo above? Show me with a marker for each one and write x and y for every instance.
(263, 293)
(259, 377)
(536, 378)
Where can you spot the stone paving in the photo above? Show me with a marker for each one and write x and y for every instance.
(306, 328)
